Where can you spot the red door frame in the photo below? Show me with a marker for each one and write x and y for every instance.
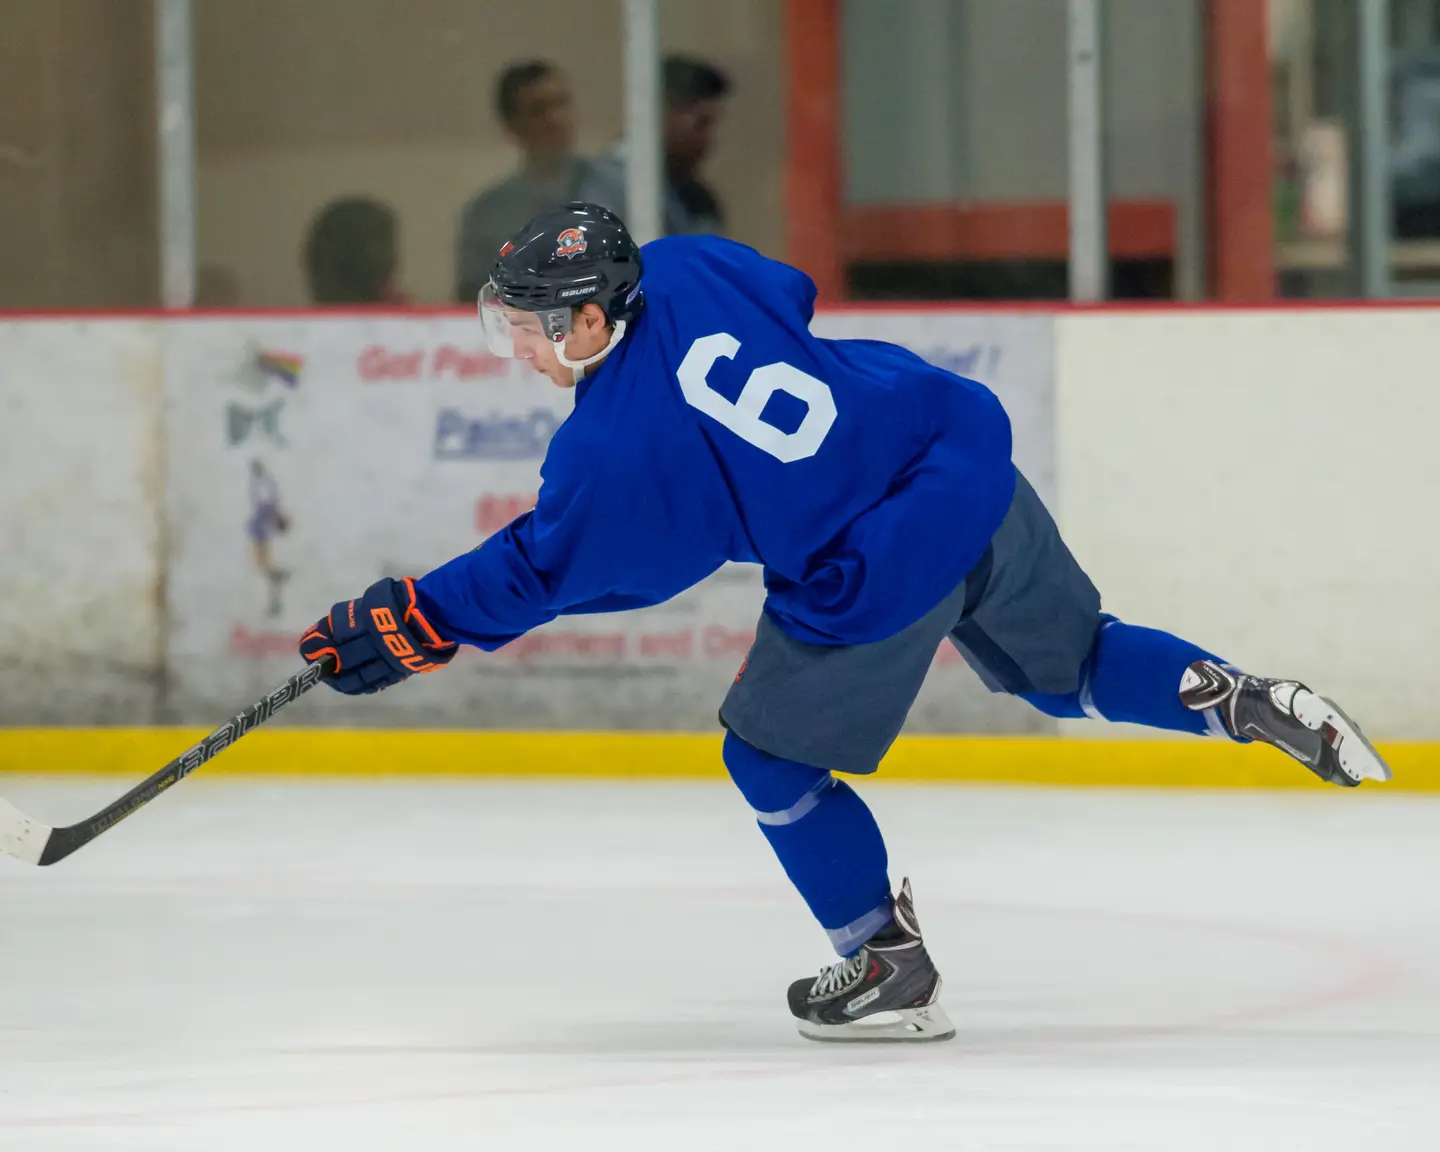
(813, 172)
(823, 234)
(1239, 151)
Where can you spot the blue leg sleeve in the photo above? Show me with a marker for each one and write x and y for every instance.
(1133, 674)
(826, 839)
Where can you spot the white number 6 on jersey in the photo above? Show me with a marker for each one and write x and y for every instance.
(743, 416)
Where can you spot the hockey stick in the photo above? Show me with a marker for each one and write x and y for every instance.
(38, 843)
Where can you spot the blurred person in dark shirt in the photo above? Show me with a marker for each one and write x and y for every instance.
(534, 102)
(352, 253)
(694, 99)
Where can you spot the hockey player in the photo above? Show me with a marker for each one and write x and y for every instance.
(878, 493)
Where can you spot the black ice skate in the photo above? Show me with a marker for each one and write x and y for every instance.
(1288, 715)
(889, 990)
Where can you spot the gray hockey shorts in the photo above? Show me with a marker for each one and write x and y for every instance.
(1024, 619)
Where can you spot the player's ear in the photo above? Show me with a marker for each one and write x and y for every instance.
(589, 318)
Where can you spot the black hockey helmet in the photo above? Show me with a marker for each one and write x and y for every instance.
(572, 255)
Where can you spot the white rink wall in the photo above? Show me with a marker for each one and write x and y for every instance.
(81, 549)
(1261, 481)
(1265, 483)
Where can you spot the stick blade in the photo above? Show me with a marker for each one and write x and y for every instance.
(21, 836)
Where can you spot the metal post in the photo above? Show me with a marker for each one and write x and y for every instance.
(1370, 218)
(1190, 185)
(175, 109)
(643, 172)
(1089, 246)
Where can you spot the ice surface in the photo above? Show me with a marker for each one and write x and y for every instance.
(591, 967)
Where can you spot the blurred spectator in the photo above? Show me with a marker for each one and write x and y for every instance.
(534, 102)
(694, 94)
(351, 253)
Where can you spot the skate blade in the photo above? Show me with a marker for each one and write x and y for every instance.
(1356, 754)
(904, 1026)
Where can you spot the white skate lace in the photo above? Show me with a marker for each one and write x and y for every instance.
(838, 976)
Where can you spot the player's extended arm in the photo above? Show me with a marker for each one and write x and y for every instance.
(401, 627)
(530, 571)
(543, 566)
(582, 549)
(486, 597)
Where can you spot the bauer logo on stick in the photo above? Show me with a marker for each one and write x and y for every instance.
(571, 242)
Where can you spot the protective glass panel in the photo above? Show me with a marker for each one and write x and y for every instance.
(1322, 73)
(723, 70)
(78, 185)
(1154, 113)
(368, 152)
(1313, 63)
(954, 162)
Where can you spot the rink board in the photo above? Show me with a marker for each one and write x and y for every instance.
(362, 754)
(442, 448)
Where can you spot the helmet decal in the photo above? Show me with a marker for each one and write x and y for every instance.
(571, 242)
(508, 248)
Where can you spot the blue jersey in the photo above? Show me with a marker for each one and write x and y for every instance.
(866, 481)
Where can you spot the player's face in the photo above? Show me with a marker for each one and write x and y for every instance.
(532, 345)
(588, 335)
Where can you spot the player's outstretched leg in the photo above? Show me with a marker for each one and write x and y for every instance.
(1287, 714)
(1144, 676)
(885, 987)
(889, 990)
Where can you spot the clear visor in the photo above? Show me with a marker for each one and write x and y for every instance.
(516, 334)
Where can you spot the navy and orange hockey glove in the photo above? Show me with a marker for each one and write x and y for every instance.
(376, 641)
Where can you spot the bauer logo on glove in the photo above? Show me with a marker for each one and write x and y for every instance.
(378, 640)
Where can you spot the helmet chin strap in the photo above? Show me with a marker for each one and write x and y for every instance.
(578, 366)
